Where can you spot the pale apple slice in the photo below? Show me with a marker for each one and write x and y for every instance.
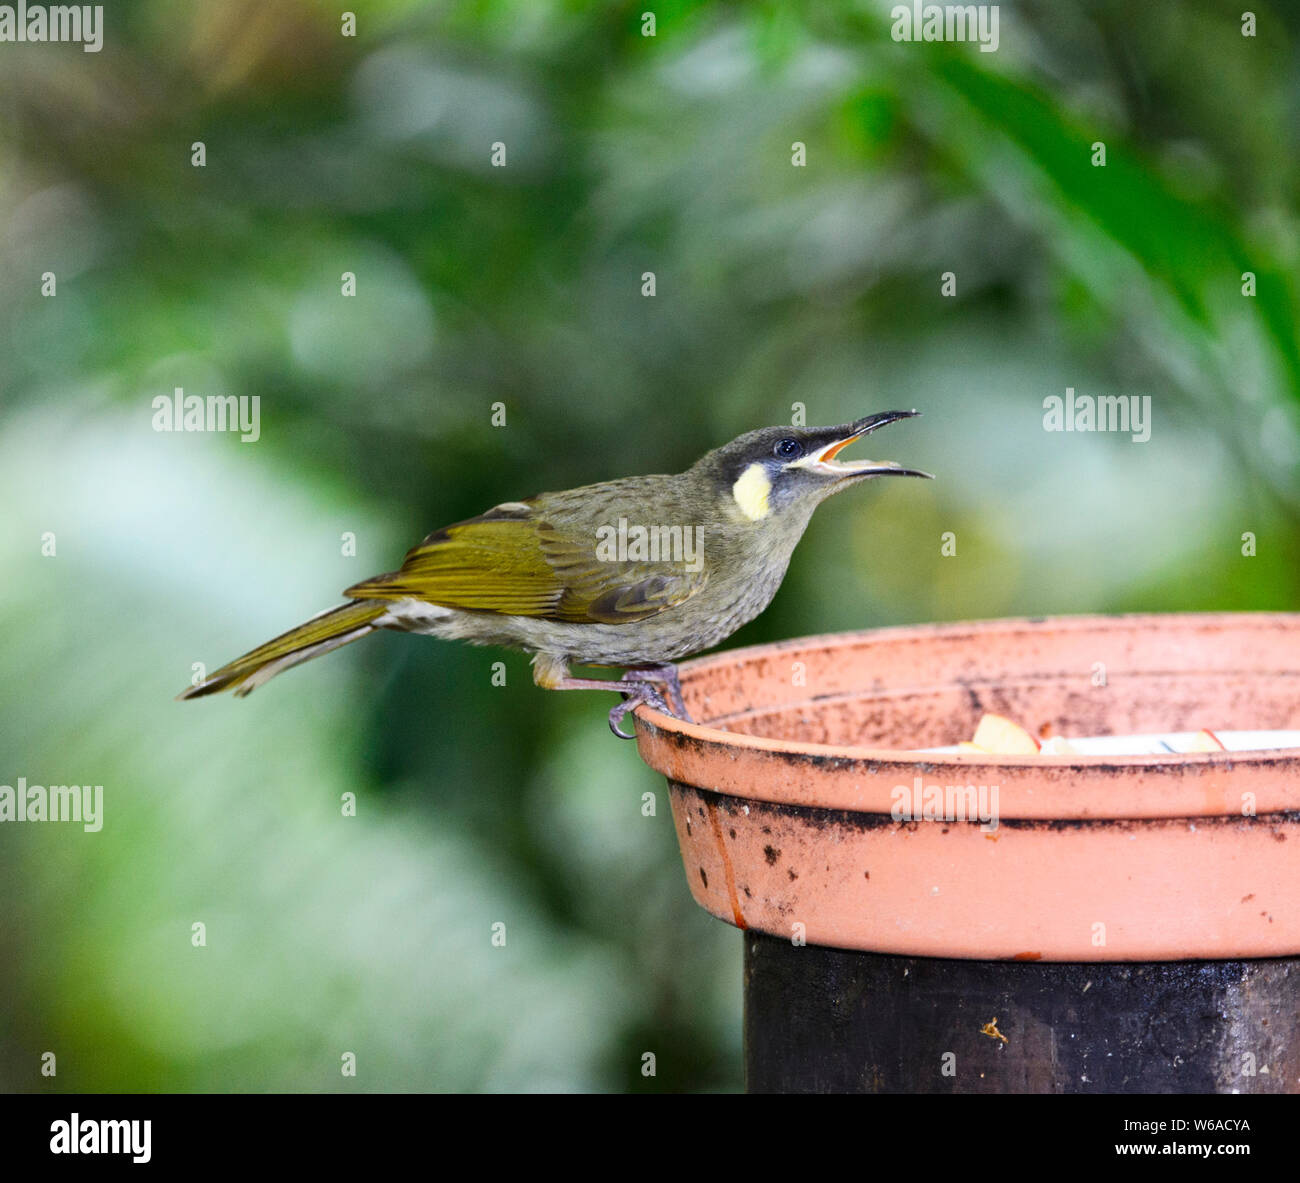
(967, 746)
(1206, 741)
(1002, 737)
(1058, 745)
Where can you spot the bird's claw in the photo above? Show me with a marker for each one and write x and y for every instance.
(639, 693)
(665, 676)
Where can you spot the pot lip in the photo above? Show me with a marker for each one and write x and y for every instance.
(655, 728)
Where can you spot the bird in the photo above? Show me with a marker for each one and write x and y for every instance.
(630, 574)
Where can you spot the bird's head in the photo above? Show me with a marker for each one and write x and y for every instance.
(777, 469)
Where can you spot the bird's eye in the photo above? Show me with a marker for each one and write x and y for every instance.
(788, 449)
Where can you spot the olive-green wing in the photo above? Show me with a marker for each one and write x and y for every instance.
(601, 592)
(511, 562)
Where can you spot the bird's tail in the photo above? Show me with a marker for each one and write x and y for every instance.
(329, 630)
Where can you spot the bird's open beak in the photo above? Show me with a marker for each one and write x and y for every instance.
(823, 459)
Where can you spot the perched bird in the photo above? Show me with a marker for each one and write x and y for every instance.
(632, 573)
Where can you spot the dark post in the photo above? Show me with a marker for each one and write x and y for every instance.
(830, 1021)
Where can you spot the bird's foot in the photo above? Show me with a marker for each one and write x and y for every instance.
(666, 676)
(638, 693)
(637, 687)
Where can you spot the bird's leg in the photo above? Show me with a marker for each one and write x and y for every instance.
(554, 675)
(666, 675)
(634, 695)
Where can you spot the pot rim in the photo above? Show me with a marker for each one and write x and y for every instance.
(696, 753)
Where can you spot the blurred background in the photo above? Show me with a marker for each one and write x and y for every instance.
(129, 555)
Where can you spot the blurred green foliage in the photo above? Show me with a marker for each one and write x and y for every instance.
(775, 286)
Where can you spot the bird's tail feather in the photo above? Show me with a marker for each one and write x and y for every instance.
(329, 630)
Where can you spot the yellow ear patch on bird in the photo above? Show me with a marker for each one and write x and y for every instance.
(751, 492)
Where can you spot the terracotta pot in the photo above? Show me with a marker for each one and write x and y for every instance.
(784, 794)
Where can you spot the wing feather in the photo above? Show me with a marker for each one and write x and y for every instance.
(512, 562)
